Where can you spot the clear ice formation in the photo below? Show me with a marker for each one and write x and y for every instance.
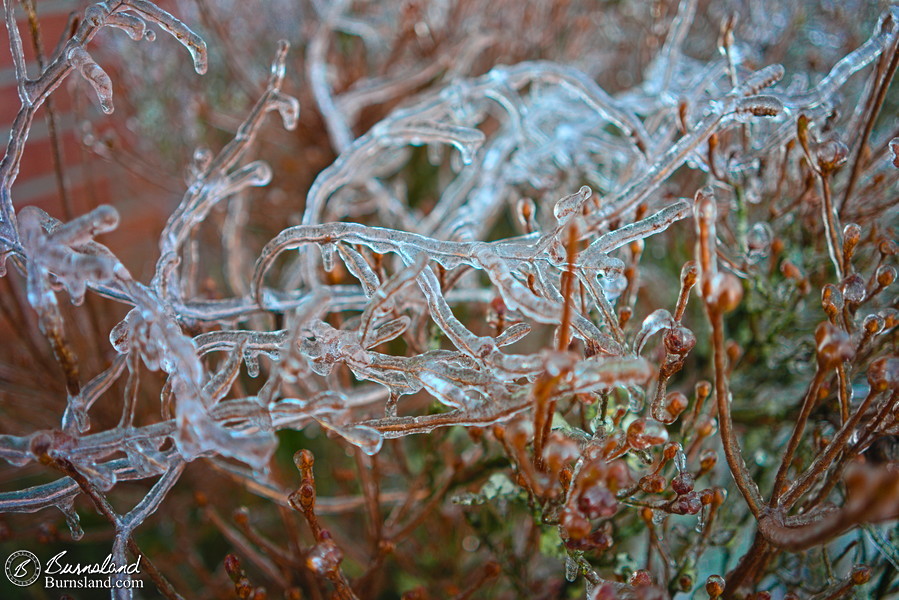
(553, 126)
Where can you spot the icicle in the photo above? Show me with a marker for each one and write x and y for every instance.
(570, 205)
(181, 32)
(67, 508)
(363, 437)
(655, 322)
(328, 252)
(572, 570)
(93, 73)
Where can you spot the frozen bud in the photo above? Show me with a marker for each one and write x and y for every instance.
(324, 558)
(683, 483)
(673, 406)
(303, 459)
(733, 351)
(688, 504)
(689, 273)
(853, 288)
(703, 390)
(575, 524)
(831, 155)
(714, 586)
(597, 501)
(861, 574)
(640, 578)
(852, 233)
(888, 247)
(833, 346)
(832, 301)
(759, 239)
(643, 433)
(526, 213)
(705, 426)
(723, 292)
(883, 374)
(560, 450)
(890, 317)
(886, 275)
(241, 516)
(679, 340)
(777, 246)
(233, 568)
(873, 324)
(894, 147)
(707, 460)
(653, 484)
(671, 450)
(618, 476)
(569, 205)
(565, 476)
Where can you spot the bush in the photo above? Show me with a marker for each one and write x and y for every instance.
(614, 317)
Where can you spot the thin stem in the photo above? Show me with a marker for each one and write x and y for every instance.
(825, 459)
(808, 403)
(729, 441)
(857, 165)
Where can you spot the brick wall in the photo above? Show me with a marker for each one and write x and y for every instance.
(37, 182)
(90, 180)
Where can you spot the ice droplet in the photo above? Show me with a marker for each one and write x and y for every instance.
(571, 569)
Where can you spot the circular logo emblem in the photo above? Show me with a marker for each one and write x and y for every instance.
(22, 568)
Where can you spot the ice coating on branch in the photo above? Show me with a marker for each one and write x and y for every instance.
(513, 287)
(93, 73)
(171, 25)
(67, 251)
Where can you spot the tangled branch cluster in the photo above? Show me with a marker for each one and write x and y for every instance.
(509, 307)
